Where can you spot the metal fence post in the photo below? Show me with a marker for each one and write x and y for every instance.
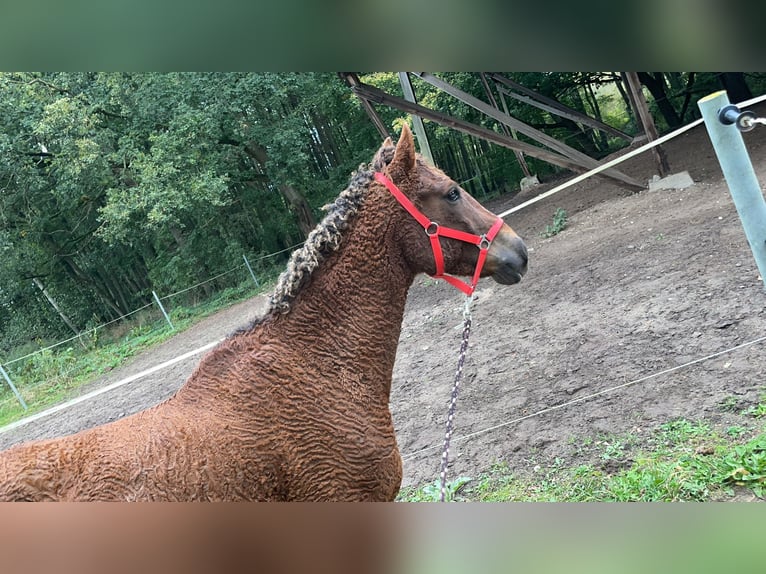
(13, 387)
(740, 176)
(163, 310)
(247, 263)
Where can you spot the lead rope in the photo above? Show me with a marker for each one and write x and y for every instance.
(453, 401)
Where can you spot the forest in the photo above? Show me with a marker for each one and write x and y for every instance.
(114, 185)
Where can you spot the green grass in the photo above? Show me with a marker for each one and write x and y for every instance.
(680, 461)
(53, 376)
(758, 411)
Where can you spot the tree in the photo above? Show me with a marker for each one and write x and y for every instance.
(119, 183)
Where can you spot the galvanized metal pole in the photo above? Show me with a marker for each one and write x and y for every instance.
(159, 303)
(247, 263)
(417, 123)
(13, 387)
(738, 170)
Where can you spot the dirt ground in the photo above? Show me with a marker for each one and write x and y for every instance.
(636, 284)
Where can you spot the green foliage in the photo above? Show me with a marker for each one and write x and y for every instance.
(559, 224)
(745, 465)
(114, 184)
(681, 460)
(757, 411)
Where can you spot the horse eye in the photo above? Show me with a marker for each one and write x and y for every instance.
(453, 195)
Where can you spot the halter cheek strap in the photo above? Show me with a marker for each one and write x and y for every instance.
(435, 231)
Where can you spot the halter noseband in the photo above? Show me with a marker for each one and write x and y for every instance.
(435, 231)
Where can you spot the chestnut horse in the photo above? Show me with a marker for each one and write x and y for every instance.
(295, 406)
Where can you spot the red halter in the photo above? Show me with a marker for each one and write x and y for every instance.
(434, 231)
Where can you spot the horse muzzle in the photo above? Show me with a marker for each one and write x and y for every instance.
(507, 258)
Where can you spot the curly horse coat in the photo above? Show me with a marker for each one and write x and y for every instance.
(295, 407)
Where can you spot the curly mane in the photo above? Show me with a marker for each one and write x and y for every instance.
(327, 235)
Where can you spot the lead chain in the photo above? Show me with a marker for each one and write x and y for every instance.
(453, 399)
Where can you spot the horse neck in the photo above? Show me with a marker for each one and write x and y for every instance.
(350, 313)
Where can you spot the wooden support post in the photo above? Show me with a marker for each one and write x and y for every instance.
(379, 96)
(352, 80)
(506, 130)
(552, 106)
(645, 118)
(525, 129)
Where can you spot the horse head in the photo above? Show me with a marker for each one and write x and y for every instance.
(447, 223)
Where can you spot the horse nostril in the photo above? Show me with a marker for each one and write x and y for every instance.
(521, 247)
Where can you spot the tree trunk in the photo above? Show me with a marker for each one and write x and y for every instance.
(53, 303)
(74, 271)
(294, 198)
(734, 83)
(688, 96)
(599, 137)
(465, 170)
(620, 82)
(656, 86)
(301, 208)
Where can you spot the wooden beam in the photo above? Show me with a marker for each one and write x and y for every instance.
(527, 130)
(642, 113)
(506, 130)
(378, 96)
(351, 80)
(554, 107)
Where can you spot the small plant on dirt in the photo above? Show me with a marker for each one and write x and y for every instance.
(681, 431)
(758, 411)
(559, 224)
(736, 431)
(431, 492)
(614, 450)
(729, 404)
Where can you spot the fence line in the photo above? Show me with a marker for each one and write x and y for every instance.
(88, 332)
(120, 318)
(546, 410)
(202, 282)
(619, 160)
(110, 387)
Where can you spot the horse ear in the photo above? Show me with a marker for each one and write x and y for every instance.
(383, 156)
(404, 156)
